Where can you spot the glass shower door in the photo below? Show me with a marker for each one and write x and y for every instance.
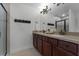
(2, 31)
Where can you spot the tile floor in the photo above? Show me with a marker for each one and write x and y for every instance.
(28, 52)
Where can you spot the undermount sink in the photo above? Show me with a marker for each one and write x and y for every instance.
(56, 35)
(49, 33)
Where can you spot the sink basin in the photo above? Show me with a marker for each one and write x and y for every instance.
(49, 32)
(58, 35)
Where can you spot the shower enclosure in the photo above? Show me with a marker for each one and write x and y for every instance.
(3, 30)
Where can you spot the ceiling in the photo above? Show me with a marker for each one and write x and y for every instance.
(32, 4)
(56, 10)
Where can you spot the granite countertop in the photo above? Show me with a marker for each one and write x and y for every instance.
(69, 38)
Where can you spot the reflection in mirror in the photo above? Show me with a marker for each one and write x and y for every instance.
(62, 25)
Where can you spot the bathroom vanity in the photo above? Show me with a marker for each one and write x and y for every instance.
(56, 45)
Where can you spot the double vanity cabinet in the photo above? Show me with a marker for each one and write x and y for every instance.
(49, 46)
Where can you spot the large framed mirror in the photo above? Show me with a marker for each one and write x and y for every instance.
(62, 25)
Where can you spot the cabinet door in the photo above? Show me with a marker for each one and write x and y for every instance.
(54, 51)
(34, 40)
(61, 52)
(40, 46)
(71, 47)
(46, 48)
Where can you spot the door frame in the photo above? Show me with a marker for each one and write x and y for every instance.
(6, 27)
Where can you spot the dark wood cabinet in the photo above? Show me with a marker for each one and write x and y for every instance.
(40, 45)
(34, 40)
(68, 46)
(54, 47)
(46, 48)
(61, 52)
(54, 51)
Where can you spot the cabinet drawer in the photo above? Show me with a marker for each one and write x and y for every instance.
(71, 47)
(53, 41)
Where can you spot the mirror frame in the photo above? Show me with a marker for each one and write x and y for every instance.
(56, 22)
